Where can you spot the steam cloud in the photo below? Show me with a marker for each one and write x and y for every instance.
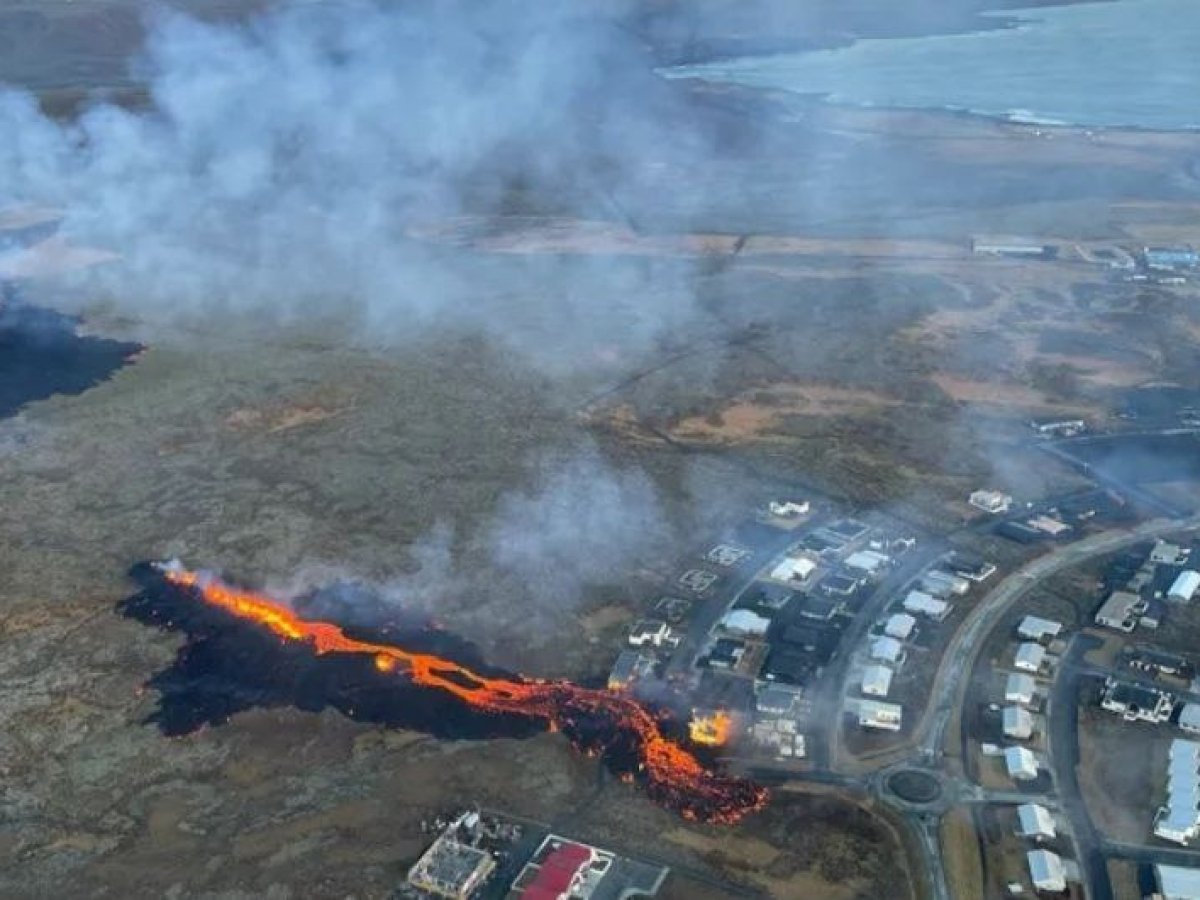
(579, 523)
(283, 164)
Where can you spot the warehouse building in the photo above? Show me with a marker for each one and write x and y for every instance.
(1006, 245)
(1034, 821)
(1029, 657)
(1047, 872)
(1135, 703)
(1178, 819)
(1184, 587)
(876, 681)
(1120, 611)
(1170, 259)
(1177, 882)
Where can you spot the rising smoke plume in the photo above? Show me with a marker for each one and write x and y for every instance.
(282, 167)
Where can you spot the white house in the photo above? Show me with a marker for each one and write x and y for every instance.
(1035, 628)
(868, 561)
(1020, 764)
(1046, 870)
(990, 501)
(887, 649)
(1035, 821)
(920, 603)
(880, 716)
(876, 681)
(1018, 723)
(793, 568)
(1019, 688)
(745, 622)
(900, 626)
(788, 509)
(1029, 657)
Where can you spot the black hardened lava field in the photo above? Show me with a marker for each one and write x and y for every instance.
(244, 649)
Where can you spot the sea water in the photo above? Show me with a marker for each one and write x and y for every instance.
(1129, 63)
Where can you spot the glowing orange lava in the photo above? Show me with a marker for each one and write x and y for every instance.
(673, 775)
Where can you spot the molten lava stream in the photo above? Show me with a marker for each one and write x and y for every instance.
(597, 720)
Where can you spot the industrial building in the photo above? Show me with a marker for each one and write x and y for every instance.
(1170, 259)
(1120, 611)
(562, 870)
(1020, 688)
(1006, 245)
(1177, 882)
(1029, 657)
(1189, 718)
(1135, 703)
(900, 626)
(990, 501)
(1167, 554)
(876, 681)
(1184, 587)
(1178, 819)
(1035, 628)
(920, 603)
(1157, 662)
(1018, 723)
(880, 716)
(452, 867)
(1020, 764)
(1046, 870)
(1034, 821)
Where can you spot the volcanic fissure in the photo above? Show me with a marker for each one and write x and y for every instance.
(246, 649)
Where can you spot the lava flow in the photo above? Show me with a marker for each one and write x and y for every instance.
(610, 723)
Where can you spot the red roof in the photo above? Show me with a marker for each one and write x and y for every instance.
(556, 873)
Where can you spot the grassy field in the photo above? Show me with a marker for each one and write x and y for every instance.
(960, 850)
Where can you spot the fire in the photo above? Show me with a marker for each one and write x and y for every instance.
(674, 776)
(710, 729)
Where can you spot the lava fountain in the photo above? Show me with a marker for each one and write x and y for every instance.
(372, 679)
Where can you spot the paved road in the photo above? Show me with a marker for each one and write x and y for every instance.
(1062, 739)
